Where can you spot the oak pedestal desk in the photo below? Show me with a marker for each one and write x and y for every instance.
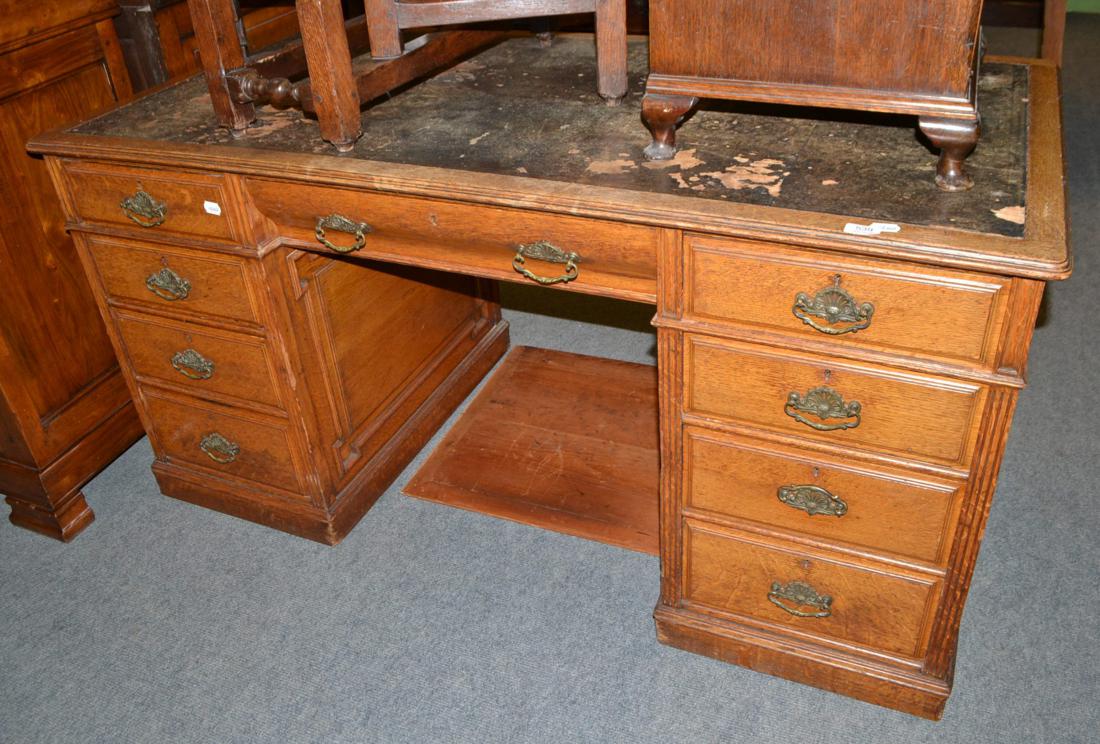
(839, 344)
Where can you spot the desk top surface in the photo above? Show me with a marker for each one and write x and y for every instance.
(529, 117)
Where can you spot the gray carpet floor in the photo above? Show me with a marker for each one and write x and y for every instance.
(165, 622)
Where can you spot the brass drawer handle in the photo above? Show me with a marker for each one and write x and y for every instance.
(144, 210)
(833, 305)
(168, 285)
(824, 403)
(543, 251)
(813, 500)
(800, 594)
(219, 449)
(192, 364)
(340, 223)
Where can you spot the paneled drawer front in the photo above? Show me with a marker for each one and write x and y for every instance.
(612, 258)
(863, 303)
(848, 405)
(204, 361)
(888, 511)
(160, 202)
(808, 593)
(173, 279)
(223, 441)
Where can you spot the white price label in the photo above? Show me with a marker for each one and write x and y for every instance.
(875, 228)
(213, 208)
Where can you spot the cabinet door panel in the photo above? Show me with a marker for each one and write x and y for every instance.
(55, 344)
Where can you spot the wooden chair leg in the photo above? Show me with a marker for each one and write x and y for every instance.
(1054, 30)
(331, 79)
(611, 49)
(215, 23)
(385, 34)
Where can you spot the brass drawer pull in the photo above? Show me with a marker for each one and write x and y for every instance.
(543, 251)
(800, 594)
(824, 403)
(191, 363)
(219, 449)
(168, 285)
(144, 210)
(833, 305)
(813, 500)
(340, 223)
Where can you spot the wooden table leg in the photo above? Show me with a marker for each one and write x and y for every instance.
(220, 51)
(330, 75)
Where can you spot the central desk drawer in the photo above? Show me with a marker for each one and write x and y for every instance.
(203, 361)
(849, 406)
(808, 593)
(612, 258)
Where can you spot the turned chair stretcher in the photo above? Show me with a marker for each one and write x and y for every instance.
(334, 92)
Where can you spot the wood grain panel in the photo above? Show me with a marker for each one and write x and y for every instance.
(560, 441)
(49, 17)
(874, 44)
(615, 259)
(734, 574)
(375, 331)
(890, 512)
(903, 413)
(55, 344)
(938, 313)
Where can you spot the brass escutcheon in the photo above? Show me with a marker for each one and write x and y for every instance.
(833, 305)
(168, 285)
(544, 251)
(340, 223)
(192, 364)
(144, 210)
(798, 593)
(813, 500)
(219, 449)
(824, 403)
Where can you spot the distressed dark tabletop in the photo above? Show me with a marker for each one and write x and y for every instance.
(520, 109)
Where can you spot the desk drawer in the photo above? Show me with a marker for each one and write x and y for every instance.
(849, 406)
(808, 593)
(223, 441)
(200, 360)
(861, 303)
(890, 512)
(613, 258)
(169, 278)
(160, 202)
